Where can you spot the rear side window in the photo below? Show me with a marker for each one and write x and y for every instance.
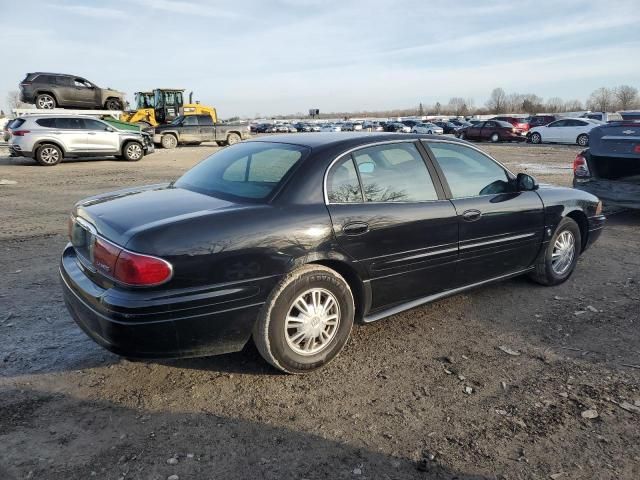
(47, 122)
(468, 172)
(16, 123)
(343, 185)
(205, 120)
(190, 120)
(394, 173)
(70, 123)
(249, 171)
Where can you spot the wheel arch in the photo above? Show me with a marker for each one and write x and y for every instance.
(127, 141)
(581, 219)
(361, 291)
(45, 141)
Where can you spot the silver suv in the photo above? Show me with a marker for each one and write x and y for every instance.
(50, 138)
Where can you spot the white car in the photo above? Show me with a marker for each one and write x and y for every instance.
(566, 130)
(428, 128)
(330, 128)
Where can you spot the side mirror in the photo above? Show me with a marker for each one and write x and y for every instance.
(110, 129)
(526, 183)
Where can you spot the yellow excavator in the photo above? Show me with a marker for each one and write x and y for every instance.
(163, 105)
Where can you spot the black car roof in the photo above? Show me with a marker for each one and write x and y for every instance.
(339, 139)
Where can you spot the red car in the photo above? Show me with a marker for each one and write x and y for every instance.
(493, 130)
(521, 123)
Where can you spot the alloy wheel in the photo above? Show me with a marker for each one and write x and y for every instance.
(312, 321)
(49, 155)
(564, 250)
(46, 102)
(134, 151)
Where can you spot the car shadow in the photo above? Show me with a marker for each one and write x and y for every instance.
(71, 437)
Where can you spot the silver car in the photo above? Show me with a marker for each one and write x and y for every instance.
(50, 138)
(427, 127)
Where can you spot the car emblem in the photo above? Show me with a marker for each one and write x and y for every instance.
(629, 132)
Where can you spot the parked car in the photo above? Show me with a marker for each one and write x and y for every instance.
(610, 167)
(6, 130)
(290, 250)
(630, 115)
(51, 90)
(195, 129)
(428, 128)
(346, 127)
(542, 119)
(303, 127)
(520, 123)
(49, 139)
(397, 127)
(330, 127)
(372, 127)
(566, 130)
(493, 130)
(448, 127)
(604, 116)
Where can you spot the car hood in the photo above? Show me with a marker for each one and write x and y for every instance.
(120, 215)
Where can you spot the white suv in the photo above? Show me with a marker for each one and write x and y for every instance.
(50, 138)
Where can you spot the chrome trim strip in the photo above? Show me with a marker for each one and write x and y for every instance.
(430, 298)
(411, 251)
(497, 240)
(423, 255)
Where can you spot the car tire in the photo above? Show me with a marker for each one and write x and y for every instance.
(583, 140)
(495, 138)
(45, 101)
(132, 151)
(49, 155)
(535, 138)
(277, 332)
(549, 266)
(429, 132)
(113, 104)
(233, 138)
(169, 141)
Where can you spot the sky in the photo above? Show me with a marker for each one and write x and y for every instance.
(269, 57)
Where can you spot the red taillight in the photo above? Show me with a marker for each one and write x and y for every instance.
(636, 149)
(104, 256)
(20, 133)
(141, 270)
(580, 166)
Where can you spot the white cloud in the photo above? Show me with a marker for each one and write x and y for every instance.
(187, 8)
(94, 12)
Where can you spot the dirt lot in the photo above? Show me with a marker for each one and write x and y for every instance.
(393, 405)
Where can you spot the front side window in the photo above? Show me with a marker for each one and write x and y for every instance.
(90, 124)
(190, 120)
(205, 120)
(470, 173)
(247, 171)
(394, 173)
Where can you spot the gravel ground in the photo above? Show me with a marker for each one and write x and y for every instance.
(512, 381)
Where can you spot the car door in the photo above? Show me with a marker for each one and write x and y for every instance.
(473, 132)
(207, 128)
(101, 137)
(71, 132)
(500, 229)
(488, 129)
(83, 94)
(190, 129)
(64, 91)
(390, 216)
(554, 131)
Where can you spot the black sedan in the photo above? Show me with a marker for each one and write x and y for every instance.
(288, 241)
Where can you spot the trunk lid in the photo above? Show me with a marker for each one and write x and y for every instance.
(619, 139)
(119, 215)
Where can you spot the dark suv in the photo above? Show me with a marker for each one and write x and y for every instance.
(51, 90)
(541, 120)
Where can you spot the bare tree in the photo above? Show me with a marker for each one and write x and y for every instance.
(437, 108)
(13, 99)
(532, 103)
(555, 104)
(458, 106)
(497, 101)
(601, 100)
(627, 96)
(573, 106)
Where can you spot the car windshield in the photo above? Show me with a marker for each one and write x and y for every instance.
(247, 171)
(177, 120)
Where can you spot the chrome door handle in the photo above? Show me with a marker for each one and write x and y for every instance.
(471, 215)
(91, 133)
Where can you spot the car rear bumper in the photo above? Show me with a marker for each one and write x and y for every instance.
(133, 324)
(16, 151)
(612, 193)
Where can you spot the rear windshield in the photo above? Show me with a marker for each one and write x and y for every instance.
(247, 171)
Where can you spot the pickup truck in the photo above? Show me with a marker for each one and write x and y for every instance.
(195, 129)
